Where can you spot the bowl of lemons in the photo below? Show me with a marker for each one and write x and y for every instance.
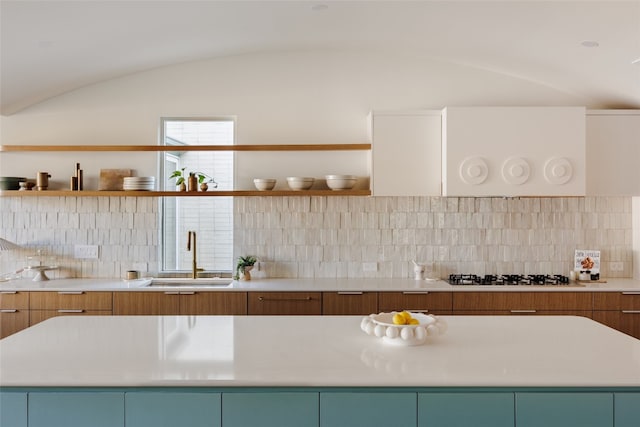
(403, 327)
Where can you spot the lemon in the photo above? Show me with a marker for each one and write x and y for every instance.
(406, 315)
(414, 322)
(399, 319)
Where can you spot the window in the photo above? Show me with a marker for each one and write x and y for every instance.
(210, 217)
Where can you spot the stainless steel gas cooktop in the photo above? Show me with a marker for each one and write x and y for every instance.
(510, 279)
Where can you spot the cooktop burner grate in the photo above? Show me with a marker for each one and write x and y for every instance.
(508, 279)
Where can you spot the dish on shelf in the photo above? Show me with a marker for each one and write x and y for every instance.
(298, 183)
(381, 325)
(264, 184)
(10, 182)
(341, 182)
(146, 183)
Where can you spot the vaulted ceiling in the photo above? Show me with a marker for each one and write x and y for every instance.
(587, 48)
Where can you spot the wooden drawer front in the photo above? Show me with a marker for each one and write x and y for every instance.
(583, 313)
(146, 303)
(349, 303)
(37, 316)
(285, 303)
(71, 300)
(624, 321)
(415, 301)
(616, 300)
(204, 303)
(12, 321)
(552, 301)
(13, 299)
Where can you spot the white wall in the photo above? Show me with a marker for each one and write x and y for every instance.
(287, 97)
(636, 236)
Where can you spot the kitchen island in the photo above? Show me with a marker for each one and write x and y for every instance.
(316, 371)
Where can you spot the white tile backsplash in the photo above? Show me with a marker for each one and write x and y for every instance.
(334, 236)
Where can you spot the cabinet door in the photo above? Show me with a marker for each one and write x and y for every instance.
(627, 321)
(416, 301)
(285, 303)
(12, 321)
(71, 300)
(13, 409)
(564, 409)
(406, 153)
(172, 409)
(146, 303)
(613, 152)
(14, 300)
(367, 409)
(627, 409)
(337, 303)
(549, 301)
(76, 409)
(204, 303)
(270, 409)
(465, 409)
(616, 301)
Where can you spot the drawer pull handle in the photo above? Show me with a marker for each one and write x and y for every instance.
(8, 311)
(9, 292)
(70, 293)
(415, 292)
(631, 311)
(631, 293)
(186, 293)
(523, 311)
(172, 293)
(350, 293)
(70, 311)
(284, 299)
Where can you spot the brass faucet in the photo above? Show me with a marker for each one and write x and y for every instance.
(194, 262)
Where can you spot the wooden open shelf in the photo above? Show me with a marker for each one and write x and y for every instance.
(215, 193)
(255, 147)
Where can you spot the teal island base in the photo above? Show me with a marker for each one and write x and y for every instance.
(319, 407)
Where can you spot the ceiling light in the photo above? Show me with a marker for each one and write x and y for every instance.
(590, 43)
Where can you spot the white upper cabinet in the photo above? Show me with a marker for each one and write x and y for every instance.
(613, 152)
(406, 153)
(513, 151)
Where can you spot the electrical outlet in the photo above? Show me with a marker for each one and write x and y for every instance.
(616, 266)
(369, 266)
(86, 251)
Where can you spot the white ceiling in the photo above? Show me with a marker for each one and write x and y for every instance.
(51, 47)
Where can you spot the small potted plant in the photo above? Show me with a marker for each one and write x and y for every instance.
(192, 179)
(244, 266)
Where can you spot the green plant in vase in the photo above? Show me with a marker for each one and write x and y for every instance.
(192, 179)
(244, 266)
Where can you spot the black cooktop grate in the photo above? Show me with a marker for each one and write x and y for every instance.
(508, 279)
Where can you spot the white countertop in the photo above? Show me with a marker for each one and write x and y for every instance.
(302, 284)
(308, 351)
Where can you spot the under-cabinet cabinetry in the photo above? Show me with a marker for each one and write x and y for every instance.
(179, 302)
(556, 303)
(319, 407)
(416, 301)
(44, 305)
(285, 303)
(406, 153)
(349, 303)
(619, 310)
(14, 312)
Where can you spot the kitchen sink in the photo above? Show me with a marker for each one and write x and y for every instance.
(188, 282)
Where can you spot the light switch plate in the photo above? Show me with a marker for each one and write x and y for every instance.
(616, 266)
(86, 251)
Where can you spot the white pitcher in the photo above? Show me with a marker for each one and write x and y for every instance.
(418, 270)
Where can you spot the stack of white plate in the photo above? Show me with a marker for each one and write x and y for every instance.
(139, 183)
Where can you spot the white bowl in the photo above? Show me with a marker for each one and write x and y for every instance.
(264, 184)
(341, 182)
(300, 182)
(381, 325)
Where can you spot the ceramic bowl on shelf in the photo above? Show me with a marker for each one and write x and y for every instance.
(299, 182)
(10, 182)
(341, 182)
(264, 184)
(381, 325)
